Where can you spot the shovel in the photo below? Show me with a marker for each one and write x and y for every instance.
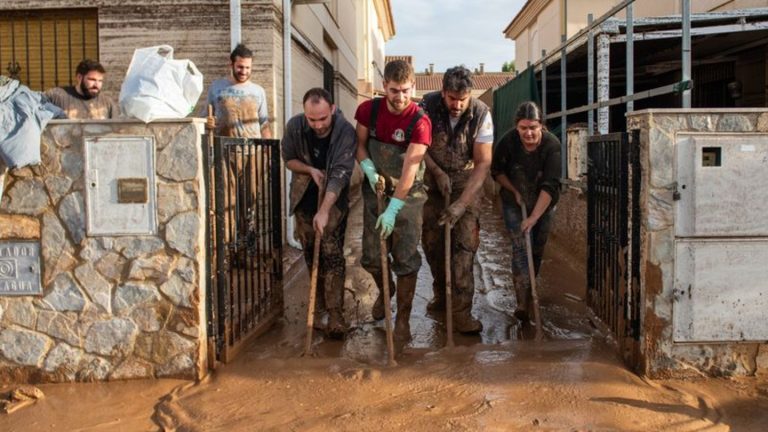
(448, 288)
(313, 282)
(385, 279)
(532, 277)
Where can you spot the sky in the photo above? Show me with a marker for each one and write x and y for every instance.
(452, 32)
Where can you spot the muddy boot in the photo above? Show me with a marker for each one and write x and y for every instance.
(334, 298)
(377, 312)
(337, 327)
(524, 298)
(437, 304)
(464, 322)
(406, 287)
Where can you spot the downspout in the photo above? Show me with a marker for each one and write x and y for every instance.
(287, 101)
(235, 36)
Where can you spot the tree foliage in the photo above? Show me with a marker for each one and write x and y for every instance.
(508, 66)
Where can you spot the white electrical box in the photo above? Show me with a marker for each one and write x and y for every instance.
(721, 181)
(721, 290)
(121, 196)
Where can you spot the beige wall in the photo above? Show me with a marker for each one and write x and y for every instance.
(543, 32)
(371, 41)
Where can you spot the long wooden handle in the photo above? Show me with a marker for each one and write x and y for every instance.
(385, 280)
(313, 283)
(448, 282)
(532, 277)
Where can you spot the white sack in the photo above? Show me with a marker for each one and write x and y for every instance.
(157, 86)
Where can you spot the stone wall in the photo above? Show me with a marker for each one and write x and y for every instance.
(112, 307)
(661, 356)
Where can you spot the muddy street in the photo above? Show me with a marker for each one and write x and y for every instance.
(501, 380)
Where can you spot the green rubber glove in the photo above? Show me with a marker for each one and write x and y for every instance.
(386, 222)
(370, 173)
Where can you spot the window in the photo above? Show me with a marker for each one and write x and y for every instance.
(41, 48)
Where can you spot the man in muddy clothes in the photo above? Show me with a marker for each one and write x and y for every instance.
(84, 100)
(393, 134)
(319, 147)
(457, 162)
(239, 106)
(240, 110)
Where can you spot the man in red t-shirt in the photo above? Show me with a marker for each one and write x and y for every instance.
(393, 134)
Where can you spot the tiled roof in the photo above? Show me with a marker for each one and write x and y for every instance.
(430, 82)
(408, 59)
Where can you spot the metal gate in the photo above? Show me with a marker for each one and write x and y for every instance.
(244, 250)
(613, 218)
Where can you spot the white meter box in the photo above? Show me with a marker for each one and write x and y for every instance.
(121, 196)
(721, 290)
(721, 179)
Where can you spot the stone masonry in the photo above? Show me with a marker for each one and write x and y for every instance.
(115, 307)
(661, 356)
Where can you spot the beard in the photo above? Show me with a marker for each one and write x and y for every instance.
(88, 93)
(240, 78)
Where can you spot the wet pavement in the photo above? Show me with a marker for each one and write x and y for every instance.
(499, 380)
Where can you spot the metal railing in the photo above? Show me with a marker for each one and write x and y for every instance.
(245, 241)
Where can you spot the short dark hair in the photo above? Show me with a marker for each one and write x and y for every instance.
(316, 94)
(241, 51)
(88, 65)
(398, 71)
(457, 79)
(529, 111)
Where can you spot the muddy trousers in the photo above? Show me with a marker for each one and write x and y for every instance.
(465, 239)
(402, 246)
(331, 270)
(539, 234)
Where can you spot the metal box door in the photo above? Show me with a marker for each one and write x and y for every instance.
(721, 179)
(721, 290)
(120, 187)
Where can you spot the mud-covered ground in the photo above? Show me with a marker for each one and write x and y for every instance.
(501, 380)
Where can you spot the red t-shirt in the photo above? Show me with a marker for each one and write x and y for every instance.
(391, 128)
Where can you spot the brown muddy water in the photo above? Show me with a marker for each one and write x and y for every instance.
(500, 380)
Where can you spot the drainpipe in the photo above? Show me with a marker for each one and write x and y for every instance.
(235, 36)
(287, 114)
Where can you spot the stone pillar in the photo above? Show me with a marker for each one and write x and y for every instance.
(603, 80)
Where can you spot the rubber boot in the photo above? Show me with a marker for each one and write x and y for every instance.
(437, 304)
(524, 298)
(377, 312)
(334, 298)
(464, 322)
(406, 287)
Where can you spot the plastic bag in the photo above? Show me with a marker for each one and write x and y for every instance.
(157, 86)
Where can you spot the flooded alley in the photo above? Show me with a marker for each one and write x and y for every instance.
(501, 380)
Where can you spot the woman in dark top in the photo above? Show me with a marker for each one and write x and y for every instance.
(526, 163)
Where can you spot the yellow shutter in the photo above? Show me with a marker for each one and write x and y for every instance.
(42, 48)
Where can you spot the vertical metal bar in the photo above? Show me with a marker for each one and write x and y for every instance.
(210, 227)
(544, 83)
(277, 235)
(686, 42)
(630, 56)
(56, 51)
(26, 47)
(563, 107)
(590, 77)
(42, 54)
(603, 81)
(250, 259)
(82, 35)
(69, 47)
(222, 290)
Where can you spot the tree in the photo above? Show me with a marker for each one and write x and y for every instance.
(508, 66)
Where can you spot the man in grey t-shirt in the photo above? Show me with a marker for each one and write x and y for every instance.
(239, 106)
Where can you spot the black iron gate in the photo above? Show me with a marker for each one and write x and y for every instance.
(244, 241)
(613, 218)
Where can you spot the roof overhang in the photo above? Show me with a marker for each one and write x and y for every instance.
(385, 18)
(530, 11)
